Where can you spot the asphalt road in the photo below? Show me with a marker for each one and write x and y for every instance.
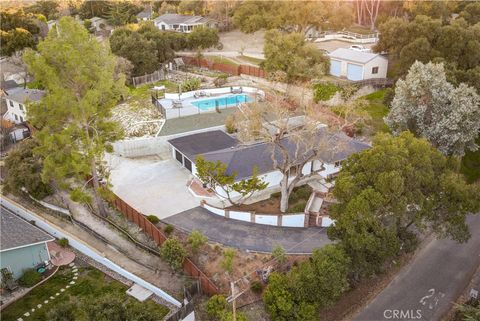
(249, 236)
(428, 286)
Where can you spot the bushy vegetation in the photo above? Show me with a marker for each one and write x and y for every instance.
(228, 259)
(63, 242)
(168, 229)
(153, 219)
(191, 84)
(24, 170)
(324, 92)
(216, 306)
(291, 55)
(313, 284)
(470, 166)
(278, 253)
(173, 252)
(196, 240)
(18, 30)
(29, 278)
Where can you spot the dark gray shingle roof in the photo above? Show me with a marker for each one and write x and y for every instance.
(243, 159)
(201, 143)
(21, 96)
(16, 232)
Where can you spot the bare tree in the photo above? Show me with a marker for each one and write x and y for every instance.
(367, 10)
(299, 142)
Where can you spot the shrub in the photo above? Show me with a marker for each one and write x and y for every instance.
(256, 287)
(173, 253)
(323, 92)
(153, 219)
(293, 198)
(220, 80)
(216, 306)
(276, 194)
(64, 311)
(388, 97)
(168, 229)
(29, 278)
(303, 192)
(228, 258)
(348, 91)
(278, 253)
(230, 124)
(196, 240)
(191, 84)
(297, 208)
(63, 242)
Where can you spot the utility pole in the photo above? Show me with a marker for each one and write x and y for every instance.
(234, 304)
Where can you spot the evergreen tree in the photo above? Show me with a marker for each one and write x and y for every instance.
(78, 74)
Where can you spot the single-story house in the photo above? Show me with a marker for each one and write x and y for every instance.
(16, 103)
(357, 65)
(182, 23)
(23, 246)
(145, 14)
(239, 158)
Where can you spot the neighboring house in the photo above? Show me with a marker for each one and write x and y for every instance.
(145, 15)
(16, 103)
(357, 65)
(219, 146)
(23, 245)
(182, 23)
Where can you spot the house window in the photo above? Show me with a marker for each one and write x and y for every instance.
(11, 103)
(374, 70)
(20, 106)
(16, 117)
(163, 27)
(21, 119)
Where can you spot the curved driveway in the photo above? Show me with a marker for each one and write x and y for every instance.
(249, 236)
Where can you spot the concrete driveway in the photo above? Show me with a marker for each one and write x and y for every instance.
(152, 186)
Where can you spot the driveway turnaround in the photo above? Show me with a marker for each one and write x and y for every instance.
(250, 236)
(152, 187)
(428, 286)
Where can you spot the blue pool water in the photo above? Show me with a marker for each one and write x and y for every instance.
(206, 104)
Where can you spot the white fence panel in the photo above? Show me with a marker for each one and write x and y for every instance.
(214, 210)
(266, 219)
(294, 220)
(241, 216)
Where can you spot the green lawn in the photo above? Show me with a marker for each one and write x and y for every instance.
(91, 284)
(470, 166)
(252, 60)
(221, 60)
(377, 111)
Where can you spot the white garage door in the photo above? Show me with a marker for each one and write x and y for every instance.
(335, 68)
(354, 72)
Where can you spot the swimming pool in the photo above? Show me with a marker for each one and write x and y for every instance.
(226, 101)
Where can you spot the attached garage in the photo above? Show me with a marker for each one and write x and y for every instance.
(357, 65)
(354, 72)
(185, 149)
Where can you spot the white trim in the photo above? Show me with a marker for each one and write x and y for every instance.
(31, 244)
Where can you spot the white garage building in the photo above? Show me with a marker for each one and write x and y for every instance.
(357, 65)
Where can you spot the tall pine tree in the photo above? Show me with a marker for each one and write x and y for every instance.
(78, 74)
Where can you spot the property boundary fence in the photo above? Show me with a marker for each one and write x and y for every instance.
(207, 286)
(149, 78)
(235, 70)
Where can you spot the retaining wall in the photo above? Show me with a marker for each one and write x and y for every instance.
(285, 220)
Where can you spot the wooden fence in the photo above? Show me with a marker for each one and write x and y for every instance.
(234, 70)
(149, 78)
(207, 286)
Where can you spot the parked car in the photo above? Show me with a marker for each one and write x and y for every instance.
(359, 48)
